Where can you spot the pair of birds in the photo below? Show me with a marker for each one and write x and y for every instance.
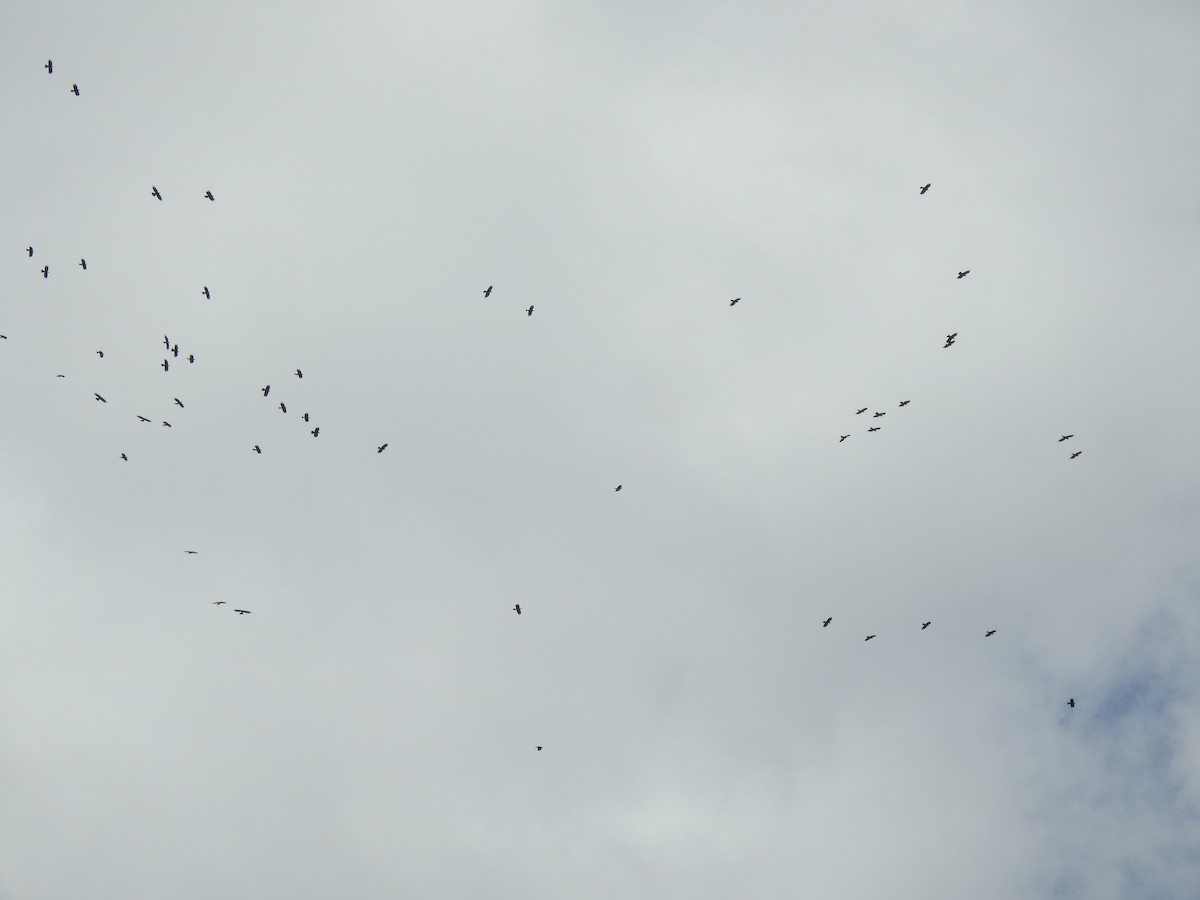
(924, 625)
(1067, 437)
(49, 67)
(927, 624)
(488, 292)
(240, 612)
(154, 192)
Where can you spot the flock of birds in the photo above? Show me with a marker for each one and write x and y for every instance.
(174, 352)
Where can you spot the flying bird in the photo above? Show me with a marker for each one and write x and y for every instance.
(241, 612)
(191, 357)
(1076, 453)
(843, 437)
(29, 250)
(306, 417)
(266, 390)
(617, 488)
(218, 603)
(283, 406)
(83, 264)
(488, 292)
(869, 636)
(179, 403)
(518, 608)
(124, 457)
(208, 195)
(167, 424)
(926, 187)
(101, 399)
(734, 301)
(1071, 703)
(529, 312)
(964, 273)
(878, 414)
(205, 292)
(990, 633)
(191, 552)
(539, 748)
(905, 402)
(166, 366)
(154, 193)
(166, 342)
(859, 412)
(825, 624)
(925, 625)
(299, 374)
(100, 353)
(875, 428)
(49, 67)
(175, 350)
(381, 448)
(45, 271)
(257, 449)
(143, 419)
(75, 89)
(3, 337)
(1065, 437)
(316, 431)
(950, 339)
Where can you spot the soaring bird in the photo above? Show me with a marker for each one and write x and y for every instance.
(990, 633)
(208, 195)
(101, 399)
(381, 448)
(488, 292)
(843, 437)
(306, 417)
(124, 457)
(299, 374)
(905, 402)
(316, 431)
(859, 412)
(3, 337)
(75, 89)
(518, 608)
(191, 552)
(1071, 703)
(1065, 437)
(925, 625)
(266, 390)
(154, 193)
(218, 603)
(29, 250)
(617, 488)
(143, 419)
(734, 301)
(257, 449)
(529, 312)
(950, 339)
(876, 428)
(205, 292)
(1076, 453)
(179, 403)
(926, 187)
(283, 407)
(175, 350)
(869, 636)
(241, 612)
(45, 271)
(964, 273)
(166, 366)
(100, 353)
(825, 624)
(878, 414)
(49, 67)
(191, 357)
(167, 424)
(166, 342)
(83, 264)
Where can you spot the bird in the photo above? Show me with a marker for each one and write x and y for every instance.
(488, 292)
(905, 402)
(925, 625)
(875, 428)
(266, 390)
(241, 612)
(950, 339)
(257, 449)
(83, 264)
(3, 337)
(843, 437)
(283, 406)
(518, 608)
(179, 403)
(75, 89)
(381, 448)
(208, 195)
(529, 312)
(101, 399)
(143, 419)
(49, 67)
(1076, 453)
(1071, 703)
(191, 552)
(539, 747)
(734, 301)
(45, 271)
(1065, 437)
(316, 431)
(191, 357)
(964, 273)
(167, 424)
(60, 376)
(869, 636)
(859, 412)
(100, 353)
(306, 417)
(205, 292)
(299, 374)
(175, 350)
(154, 193)
(29, 250)
(124, 457)
(166, 342)
(990, 633)
(218, 603)
(878, 414)
(617, 488)
(166, 366)
(926, 187)
(825, 624)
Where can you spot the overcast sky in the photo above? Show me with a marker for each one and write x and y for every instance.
(369, 729)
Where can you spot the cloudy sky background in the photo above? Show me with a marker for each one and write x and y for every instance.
(369, 729)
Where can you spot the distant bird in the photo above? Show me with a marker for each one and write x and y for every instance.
(100, 353)
(266, 390)
(950, 339)
(143, 419)
(3, 337)
(1065, 437)
(618, 487)
(878, 414)
(83, 264)
(859, 412)
(875, 428)
(283, 406)
(539, 748)
(299, 374)
(1076, 453)
(205, 292)
(175, 350)
(49, 67)
(101, 399)
(191, 357)
(242, 612)
(518, 608)
(60, 376)
(75, 89)
(166, 342)
(1071, 703)
(191, 552)
(257, 449)
(488, 292)
(29, 250)
(905, 402)
(218, 603)
(843, 437)
(381, 448)
(166, 366)
(869, 636)
(529, 312)
(124, 457)
(316, 431)
(734, 301)
(208, 195)
(926, 187)
(179, 403)
(154, 193)
(964, 273)
(925, 625)
(990, 633)
(167, 424)
(45, 271)
(306, 417)
(825, 624)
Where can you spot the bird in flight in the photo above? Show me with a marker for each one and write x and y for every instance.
(266, 390)
(518, 608)
(75, 89)
(905, 402)
(1071, 703)
(241, 612)
(167, 424)
(191, 357)
(175, 350)
(283, 406)
(843, 437)
(617, 488)
(29, 250)
(316, 431)
(875, 428)
(299, 374)
(861, 411)
(166, 342)
(49, 67)
(257, 449)
(124, 457)
(45, 271)
(381, 448)
(964, 273)
(925, 625)
(1065, 437)
(869, 636)
(218, 603)
(154, 193)
(83, 264)
(539, 748)
(990, 633)
(205, 292)
(179, 403)
(306, 417)
(100, 353)
(101, 399)
(488, 292)
(878, 414)
(166, 366)
(825, 624)
(208, 195)
(1076, 453)
(734, 301)
(143, 419)
(191, 552)
(529, 312)
(950, 340)
(926, 187)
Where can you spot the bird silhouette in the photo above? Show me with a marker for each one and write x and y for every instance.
(124, 457)
(283, 407)
(518, 608)
(45, 271)
(154, 193)
(539, 748)
(529, 312)
(904, 403)
(256, 449)
(990, 633)
(1065, 437)
(166, 366)
(167, 424)
(618, 487)
(1071, 703)
(734, 301)
(825, 624)
(75, 89)
(1076, 453)
(175, 350)
(869, 636)
(101, 399)
(29, 250)
(874, 428)
(191, 552)
(306, 417)
(926, 187)
(166, 342)
(208, 195)
(100, 353)
(49, 67)
(143, 419)
(266, 390)
(316, 431)
(205, 292)
(964, 273)
(381, 448)
(83, 264)
(191, 357)
(843, 437)
(3, 337)
(878, 414)
(950, 339)
(179, 403)
(218, 603)
(242, 612)
(859, 412)
(488, 292)
(299, 374)
(925, 625)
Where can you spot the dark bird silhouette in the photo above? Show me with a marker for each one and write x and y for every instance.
(218, 603)
(618, 487)
(205, 292)
(191, 552)
(3, 337)
(60, 376)
(101, 399)
(874, 428)
(242, 612)
(191, 357)
(75, 89)
(990, 633)
(734, 301)
(926, 187)
(175, 350)
(316, 431)
(100, 353)
(964, 273)
(539, 748)
(45, 271)
(843, 437)
(179, 403)
(1076, 453)
(488, 292)
(869, 636)
(266, 390)
(124, 457)
(905, 402)
(950, 339)
(257, 449)
(49, 67)
(825, 624)
(208, 195)
(143, 419)
(878, 414)
(154, 193)
(166, 342)
(1071, 703)
(29, 250)
(306, 417)
(83, 264)
(518, 608)
(859, 412)
(283, 406)
(529, 312)
(167, 424)
(381, 448)
(1065, 437)
(166, 366)
(299, 374)
(925, 625)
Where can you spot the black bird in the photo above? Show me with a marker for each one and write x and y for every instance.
(306, 417)
(843, 437)
(299, 374)
(529, 312)
(1076, 453)
(257, 449)
(825, 624)
(876, 428)
(1065, 437)
(208, 195)
(1071, 703)
(49, 67)
(205, 292)
(83, 264)
(166, 366)
(283, 406)
(990, 633)
(154, 193)
(266, 390)
(539, 748)
(861, 411)
(166, 342)
(60, 376)
(964, 273)
(905, 402)
(950, 339)
(45, 271)
(869, 636)
(101, 399)
(191, 552)
(179, 403)
(316, 431)
(925, 625)
(617, 488)
(167, 424)
(175, 350)
(218, 603)
(75, 89)
(3, 337)
(878, 414)
(241, 612)
(488, 292)
(734, 301)
(381, 448)
(29, 250)
(143, 419)
(926, 187)
(124, 457)
(518, 608)
(191, 357)
(100, 353)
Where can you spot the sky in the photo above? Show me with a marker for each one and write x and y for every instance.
(370, 728)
